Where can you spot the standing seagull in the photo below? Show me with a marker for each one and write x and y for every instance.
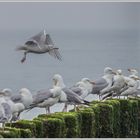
(83, 88)
(68, 96)
(5, 111)
(39, 44)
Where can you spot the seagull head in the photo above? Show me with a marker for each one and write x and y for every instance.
(133, 71)
(24, 91)
(7, 91)
(109, 70)
(58, 81)
(119, 72)
(87, 81)
(88, 84)
(79, 84)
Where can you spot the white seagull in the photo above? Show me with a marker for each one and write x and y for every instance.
(68, 96)
(118, 84)
(5, 111)
(47, 98)
(103, 84)
(18, 102)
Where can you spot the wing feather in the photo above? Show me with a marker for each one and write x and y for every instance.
(16, 98)
(41, 96)
(72, 97)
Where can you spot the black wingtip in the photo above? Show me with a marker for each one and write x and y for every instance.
(86, 102)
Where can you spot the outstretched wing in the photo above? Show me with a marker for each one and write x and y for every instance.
(40, 37)
(55, 53)
(31, 43)
(37, 41)
(48, 41)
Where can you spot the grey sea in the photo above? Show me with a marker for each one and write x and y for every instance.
(85, 54)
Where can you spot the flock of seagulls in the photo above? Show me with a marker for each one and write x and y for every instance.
(113, 84)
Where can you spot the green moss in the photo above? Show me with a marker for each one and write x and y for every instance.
(116, 117)
(25, 133)
(134, 119)
(103, 120)
(39, 128)
(44, 132)
(87, 123)
(58, 116)
(72, 124)
(10, 132)
(138, 118)
(94, 102)
(138, 101)
(54, 127)
(25, 124)
(125, 119)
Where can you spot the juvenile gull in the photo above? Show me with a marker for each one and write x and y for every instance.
(5, 111)
(39, 44)
(18, 102)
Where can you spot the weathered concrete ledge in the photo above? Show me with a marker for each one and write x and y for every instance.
(116, 118)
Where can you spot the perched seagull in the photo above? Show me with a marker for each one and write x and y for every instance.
(39, 44)
(68, 96)
(83, 88)
(133, 72)
(118, 84)
(20, 102)
(15, 107)
(103, 84)
(133, 86)
(5, 111)
(100, 85)
(46, 98)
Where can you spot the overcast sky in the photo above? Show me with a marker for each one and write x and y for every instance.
(70, 15)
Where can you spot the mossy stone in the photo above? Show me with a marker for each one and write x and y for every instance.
(25, 133)
(125, 119)
(116, 117)
(103, 120)
(87, 123)
(39, 128)
(72, 124)
(25, 124)
(134, 119)
(10, 133)
(57, 116)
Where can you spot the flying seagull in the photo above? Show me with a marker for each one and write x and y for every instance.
(39, 44)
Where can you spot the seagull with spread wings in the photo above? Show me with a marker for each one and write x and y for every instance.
(39, 44)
